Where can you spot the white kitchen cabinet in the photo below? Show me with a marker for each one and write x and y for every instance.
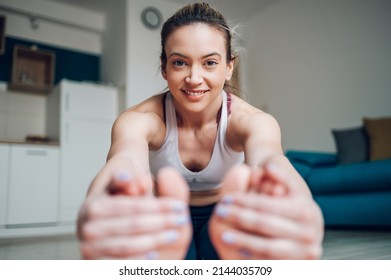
(4, 153)
(84, 152)
(32, 185)
(80, 116)
(88, 101)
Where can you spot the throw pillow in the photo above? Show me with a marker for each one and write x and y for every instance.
(352, 145)
(379, 133)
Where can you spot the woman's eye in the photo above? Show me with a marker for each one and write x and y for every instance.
(179, 63)
(211, 63)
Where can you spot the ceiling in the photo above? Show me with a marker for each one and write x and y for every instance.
(237, 10)
(94, 5)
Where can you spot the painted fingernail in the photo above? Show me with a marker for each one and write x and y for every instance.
(123, 176)
(229, 237)
(182, 220)
(153, 255)
(222, 211)
(245, 252)
(179, 206)
(227, 199)
(171, 236)
(275, 168)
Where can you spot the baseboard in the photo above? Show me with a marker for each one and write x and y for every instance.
(36, 231)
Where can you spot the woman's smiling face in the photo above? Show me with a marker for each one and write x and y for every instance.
(197, 67)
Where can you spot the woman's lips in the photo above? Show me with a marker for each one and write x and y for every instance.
(194, 92)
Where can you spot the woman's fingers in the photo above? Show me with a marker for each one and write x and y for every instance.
(171, 184)
(144, 225)
(237, 179)
(102, 206)
(242, 245)
(259, 226)
(123, 183)
(124, 223)
(266, 213)
(279, 170)
(139, 224)
(130, 246)
(296, 208)
(107, 214)
(258, 179)
(265, 224)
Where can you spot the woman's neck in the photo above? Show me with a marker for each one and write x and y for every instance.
(199, 119)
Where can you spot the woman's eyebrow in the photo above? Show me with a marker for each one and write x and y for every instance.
(184, 56)
(212, 54)
(177, 54)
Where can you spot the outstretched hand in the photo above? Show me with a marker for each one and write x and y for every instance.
(266, 213)
(128, 222)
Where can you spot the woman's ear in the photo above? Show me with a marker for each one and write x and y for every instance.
(163, 68)
(230, 69)
(164, 72)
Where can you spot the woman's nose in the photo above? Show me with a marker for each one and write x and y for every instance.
(194, 76)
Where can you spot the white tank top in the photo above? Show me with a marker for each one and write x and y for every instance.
(223, 157)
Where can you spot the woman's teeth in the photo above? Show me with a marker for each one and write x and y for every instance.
(194, 93)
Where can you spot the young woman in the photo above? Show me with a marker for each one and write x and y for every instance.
(196, 172)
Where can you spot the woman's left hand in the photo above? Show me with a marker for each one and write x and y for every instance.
(266, 213)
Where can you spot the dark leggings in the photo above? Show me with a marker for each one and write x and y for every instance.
(201, 247)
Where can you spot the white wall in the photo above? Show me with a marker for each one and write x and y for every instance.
(143, 51)
(113, 63)
(113, 60)
(317, 65)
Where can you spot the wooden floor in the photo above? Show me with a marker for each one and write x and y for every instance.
(338, 245)
(357, 245)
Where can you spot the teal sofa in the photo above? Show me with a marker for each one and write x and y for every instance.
(349, 195)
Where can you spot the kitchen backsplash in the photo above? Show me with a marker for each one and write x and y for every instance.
(21, 114)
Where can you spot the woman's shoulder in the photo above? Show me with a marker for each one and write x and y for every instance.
(148, 114)
(244, 115)
(153, 104)
(241, 107)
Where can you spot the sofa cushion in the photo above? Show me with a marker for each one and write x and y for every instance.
(303, 169)
(312, 159)
(356, 209)
(368, 176)
(351, 144)
(379, 132)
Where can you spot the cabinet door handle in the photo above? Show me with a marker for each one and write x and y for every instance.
(66, 132)
(67, 104)
(36, 152)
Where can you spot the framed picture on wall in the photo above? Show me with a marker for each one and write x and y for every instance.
(2, 34)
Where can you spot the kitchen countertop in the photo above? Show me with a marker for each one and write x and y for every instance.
(24, 142)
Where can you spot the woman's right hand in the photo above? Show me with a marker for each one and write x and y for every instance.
(127, 222)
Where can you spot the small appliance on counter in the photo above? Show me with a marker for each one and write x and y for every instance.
(37, 139)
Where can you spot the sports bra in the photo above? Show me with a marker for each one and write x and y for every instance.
(222, 159)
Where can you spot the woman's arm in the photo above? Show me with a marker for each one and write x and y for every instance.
(254, 132)
(267, 211)
(132, 134)
(121, 218)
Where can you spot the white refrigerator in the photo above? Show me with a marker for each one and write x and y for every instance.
(80, 116)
